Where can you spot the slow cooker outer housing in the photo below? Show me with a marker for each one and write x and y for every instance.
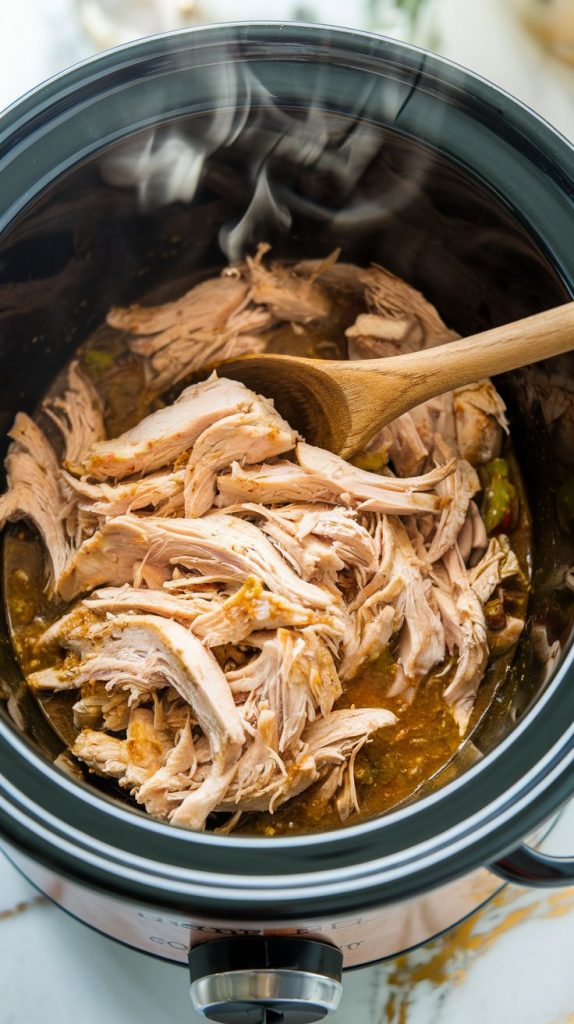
(66, 829)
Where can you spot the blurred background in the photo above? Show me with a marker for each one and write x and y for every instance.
(524, 46)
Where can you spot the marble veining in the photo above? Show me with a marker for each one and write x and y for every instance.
(22, 907)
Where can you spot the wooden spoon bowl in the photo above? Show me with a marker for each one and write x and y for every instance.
(340, 404)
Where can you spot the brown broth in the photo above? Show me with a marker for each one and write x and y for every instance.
(389, 769)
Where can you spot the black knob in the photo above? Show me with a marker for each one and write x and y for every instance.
(265, 980)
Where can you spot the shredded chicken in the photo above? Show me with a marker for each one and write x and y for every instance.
(326, 477)
(480, 419)
(403, 444)
(220, 620)
(330, 741)
(78, 414)
(213, 321)
(230, 580)
(399, 317)
(35, 492)
(159, 438)
(98, 708)
(141, 651)
(319, 541)
(220, 546)
(465, 631)
(263, 781)
(162, 492)
(435, 419)
(251, 435)
(458, 488)
(472, 539)
(143, 757)
(497, 564)
(184, 608)
(287, 294)
(409, 592)
(295, 676)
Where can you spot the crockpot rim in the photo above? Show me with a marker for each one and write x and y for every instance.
(19, 114)
(23, 746)
(140, 45)
(52, 90)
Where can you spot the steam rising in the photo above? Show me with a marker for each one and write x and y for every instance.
(263, 213)
(283, 162)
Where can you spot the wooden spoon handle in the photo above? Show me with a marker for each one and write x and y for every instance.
(422, 375)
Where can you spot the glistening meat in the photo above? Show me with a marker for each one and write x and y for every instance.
(257, 625)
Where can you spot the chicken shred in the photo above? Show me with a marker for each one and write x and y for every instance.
(35, 492)
(231, 579)
(213, 321)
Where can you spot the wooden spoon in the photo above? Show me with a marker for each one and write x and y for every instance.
(340, 404)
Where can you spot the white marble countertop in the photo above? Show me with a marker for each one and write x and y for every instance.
(510, 963)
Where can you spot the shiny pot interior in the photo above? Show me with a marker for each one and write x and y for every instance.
(464, 194)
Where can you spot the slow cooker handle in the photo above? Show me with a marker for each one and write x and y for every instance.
(526, 866)
(265, 979)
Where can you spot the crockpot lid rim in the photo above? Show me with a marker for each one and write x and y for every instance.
(23, 747)
(319, 36)
(550, 149)
(287, 902)
(497, 812)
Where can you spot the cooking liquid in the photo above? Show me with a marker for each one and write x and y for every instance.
(424, 749)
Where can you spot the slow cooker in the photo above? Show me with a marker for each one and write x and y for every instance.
(308, 138)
